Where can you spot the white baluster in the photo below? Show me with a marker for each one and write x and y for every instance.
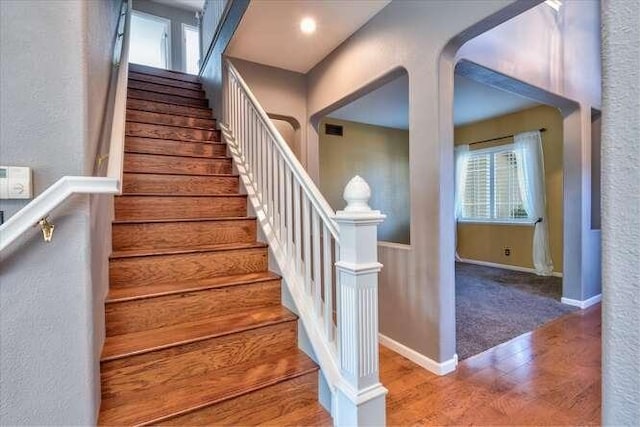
(327, 263)
(289, 221)
(361, 396)
(317, 270)
(296, 219)
(281, 190)
(306, 237)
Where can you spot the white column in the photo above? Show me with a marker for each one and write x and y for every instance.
(360, 399)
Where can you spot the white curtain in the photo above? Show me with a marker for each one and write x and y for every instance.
(528, 148)
(461, 156)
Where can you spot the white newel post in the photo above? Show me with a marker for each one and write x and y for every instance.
(360, 399)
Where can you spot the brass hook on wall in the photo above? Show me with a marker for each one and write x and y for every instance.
(47, 229)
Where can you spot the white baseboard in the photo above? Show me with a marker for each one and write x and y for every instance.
(505, 266)
(438, 368)
(582, 304)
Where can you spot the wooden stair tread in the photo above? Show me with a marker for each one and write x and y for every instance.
(144, 221)
(136, 94)
(171, 74)
(177, 141)
(134, 103)
(310, 415)
(150, 117)
(175, 251)
(148, 291)
(159, 403)
(182, 156)
(231, 195)
(163, 80)
(124, 345)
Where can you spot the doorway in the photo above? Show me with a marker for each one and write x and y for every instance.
(150, 40)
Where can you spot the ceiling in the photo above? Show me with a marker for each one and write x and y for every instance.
(269, 32)
(193, 5)
(389, 105)
(386, 106)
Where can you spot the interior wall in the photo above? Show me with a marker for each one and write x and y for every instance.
(621, 213)
(51, 119)
(289, 134)
(412, 35)
(569, 49)
(486, 242)
(177, 17)
(280, 92)
(378, 154)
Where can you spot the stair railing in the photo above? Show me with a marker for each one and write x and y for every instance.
(328, 260)
(37, 211)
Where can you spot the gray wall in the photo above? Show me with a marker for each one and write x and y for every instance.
(211, 70)
(55, 63)
(282, 93)
(621, 212)
(412, 36)
(177, 17)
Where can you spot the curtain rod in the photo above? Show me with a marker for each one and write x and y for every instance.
(500, 137)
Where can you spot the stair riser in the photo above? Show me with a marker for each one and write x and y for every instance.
(160, 107)
(151, 313)
(179, 184)
(185, 207)
(168, 119)
(255, 408)
(137, 68)
(148, 163)
(188, 235)
(164, 81)
(134, 144)
(182, 268)
(169, 90)
(170, 132)
(130, 374)
(171, 99)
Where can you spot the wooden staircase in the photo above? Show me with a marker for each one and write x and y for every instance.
(196, 333)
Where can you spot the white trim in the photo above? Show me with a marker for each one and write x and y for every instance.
(438, 368)
(183, 28)
(49, 199)
(582, 304)
(505, 266)
(517, 223)
(394, 245)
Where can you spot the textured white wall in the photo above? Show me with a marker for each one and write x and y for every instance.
(55, 63)
(621, 212)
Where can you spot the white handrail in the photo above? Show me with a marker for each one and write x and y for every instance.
(56, 194)
(328, 260)
(319, 202)
(48, 200)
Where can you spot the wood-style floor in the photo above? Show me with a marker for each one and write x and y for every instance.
(550, 376)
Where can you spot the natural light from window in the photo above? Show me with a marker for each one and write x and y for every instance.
(493, 190)
(191, 49)
(150, 39)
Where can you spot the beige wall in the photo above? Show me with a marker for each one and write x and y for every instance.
(381, 156)
(486, 242)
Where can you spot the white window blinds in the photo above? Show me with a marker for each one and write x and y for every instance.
(492, 191)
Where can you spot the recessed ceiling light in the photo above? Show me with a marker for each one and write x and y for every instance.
(308, 25)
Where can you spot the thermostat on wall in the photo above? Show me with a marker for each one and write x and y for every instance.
(15, 182)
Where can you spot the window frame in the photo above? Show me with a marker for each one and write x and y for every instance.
(495, 221)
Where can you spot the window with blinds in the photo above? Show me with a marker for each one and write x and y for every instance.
(492, 191)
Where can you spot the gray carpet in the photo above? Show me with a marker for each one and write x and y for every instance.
(494, 305)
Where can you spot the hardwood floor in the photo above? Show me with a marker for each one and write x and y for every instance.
(550, 376)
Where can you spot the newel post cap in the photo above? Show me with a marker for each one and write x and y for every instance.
(357, 194)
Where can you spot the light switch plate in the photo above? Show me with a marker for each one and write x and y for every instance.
(15, 182)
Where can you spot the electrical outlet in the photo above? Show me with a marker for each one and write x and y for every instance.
(507, 251)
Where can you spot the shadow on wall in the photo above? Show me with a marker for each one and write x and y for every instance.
(370, 137)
